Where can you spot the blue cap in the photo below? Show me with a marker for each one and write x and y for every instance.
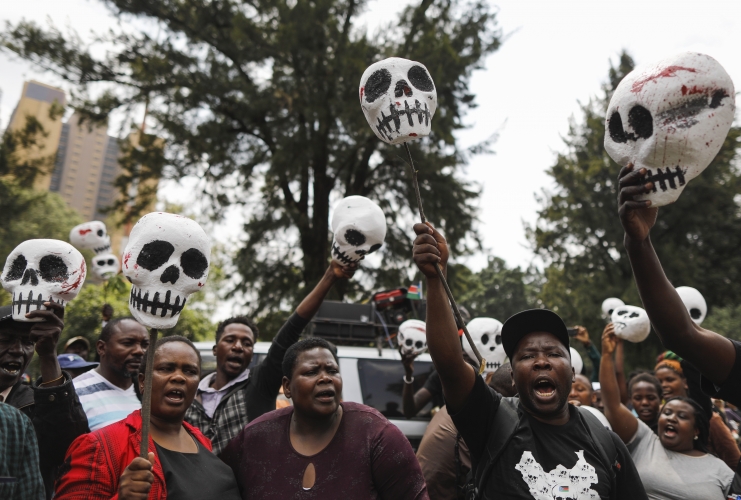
(74, 361)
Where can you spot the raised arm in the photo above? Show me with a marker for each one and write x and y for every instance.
(457, 376)
(711, 353)
(412, 401)
(310, 305)
(623, 422)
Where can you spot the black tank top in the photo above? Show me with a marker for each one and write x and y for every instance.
(195, 476)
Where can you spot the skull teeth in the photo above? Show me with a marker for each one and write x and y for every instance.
(342, 256)
(31, 303)
(395, 115)
(154, 305)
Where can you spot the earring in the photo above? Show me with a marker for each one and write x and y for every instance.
(695, 438)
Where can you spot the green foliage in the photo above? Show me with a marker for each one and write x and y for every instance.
(580, 238)
(725, 321)
(260, 100)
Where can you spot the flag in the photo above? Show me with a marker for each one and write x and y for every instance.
(414, 292)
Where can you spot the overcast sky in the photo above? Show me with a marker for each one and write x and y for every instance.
(556, 55)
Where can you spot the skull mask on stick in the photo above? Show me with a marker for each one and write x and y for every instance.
(166, 260)
(412, 337)
(359, 227)
(694, 302)
(39, 271)
(91, 236)
(631, 323)
(487, 337)
(105, 266)
(670, 118)
(609, 305)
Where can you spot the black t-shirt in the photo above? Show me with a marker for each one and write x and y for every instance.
(730, 390)
(435, 386)
(194, 476)
(543, 461)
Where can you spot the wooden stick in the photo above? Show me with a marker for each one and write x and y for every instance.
(147, 396)
(456, 311)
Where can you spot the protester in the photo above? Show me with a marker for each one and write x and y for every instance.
(105, 464)
(675, 464)
(234, 395)
(716, 357)
(77, 345)
(107, 392)
(581, 393)
(74, 364)
(645, 397)
(582, 335)
(443, 454)
(414, 401)
(546, 444)
(321, 447)
(51, 403)
(20, 477)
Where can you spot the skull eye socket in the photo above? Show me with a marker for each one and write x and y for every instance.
(622, 313)
(53, 268)
(110, 262)
(154, 254)
(100, 262)
(194, 263)
(16, 269)
(101, 232)
(498, 340)
(354, 237)
(640, 120)
(634, 315)
(609, 312)
(377, 84)
(419, 344)
(420, 79)
(374, 248)
(409, 342)
(695, 313)
(485, 339)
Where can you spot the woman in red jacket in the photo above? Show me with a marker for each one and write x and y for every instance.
(105, 464)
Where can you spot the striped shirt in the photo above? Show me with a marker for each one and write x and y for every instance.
(103, 402)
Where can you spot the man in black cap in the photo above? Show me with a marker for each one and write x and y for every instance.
(534, 445)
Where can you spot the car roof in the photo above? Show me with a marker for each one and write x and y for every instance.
(342, 351)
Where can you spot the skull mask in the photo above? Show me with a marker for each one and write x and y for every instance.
(359, 228)
(39, 271)
(105, 266)
(609, 305)
(631, 323)
(576, 362)
(398, 99)
(166, 260)
(412, 337)
(487, 336)
(91, 236)
(670, 118)
(694, 302)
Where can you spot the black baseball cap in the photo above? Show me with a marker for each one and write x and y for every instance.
(532, 320)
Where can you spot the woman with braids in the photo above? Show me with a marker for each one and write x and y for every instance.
(673, 464)
(105, 464)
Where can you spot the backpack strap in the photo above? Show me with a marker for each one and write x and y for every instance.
(602, 438)
(505, 423)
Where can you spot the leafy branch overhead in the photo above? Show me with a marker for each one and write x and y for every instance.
(263, 96)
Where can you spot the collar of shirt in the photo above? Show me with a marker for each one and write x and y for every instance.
(4, 394)
(205, 384)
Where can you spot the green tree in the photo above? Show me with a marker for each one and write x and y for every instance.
(580, 238)
(260, 100)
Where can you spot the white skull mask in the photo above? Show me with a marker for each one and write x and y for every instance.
(694, 302)
(91, 236)
(398, 99)
(671, 118)
(609, 305)
(39, 271)
(631, 323)
(105, 266)
(576, 362)
(487, 336)
(167, 259)
(359, 228)
(412, 337)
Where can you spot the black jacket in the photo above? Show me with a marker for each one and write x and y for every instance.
(58, 419)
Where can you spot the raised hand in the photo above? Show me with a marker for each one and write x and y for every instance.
(637, 217)
(430, 248)
(609, 340)
(582, 335)
(340, 271)
(137, 479)
(45, 334)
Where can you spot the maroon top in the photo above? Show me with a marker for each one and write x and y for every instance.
(368, 458)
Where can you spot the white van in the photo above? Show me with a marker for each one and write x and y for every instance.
(367, 378)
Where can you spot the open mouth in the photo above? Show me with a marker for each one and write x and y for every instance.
(670, 431)
(325, 396)
(12, 368)
(544, 388)
(154, 305)
(235, 361)
(175, 396)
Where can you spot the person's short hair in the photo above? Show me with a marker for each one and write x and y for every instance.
(241, 320)
(586, 379)
(166, 340)
(110, 328)
(501, 381)
(289, 360)
(645, 377)
(702, 422)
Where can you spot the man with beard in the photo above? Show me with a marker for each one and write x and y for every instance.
(50, 403)
(535, 445)
(234, 395)
(107, 392)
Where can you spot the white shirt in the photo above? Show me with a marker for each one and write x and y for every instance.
(210, 397)
(103, 402)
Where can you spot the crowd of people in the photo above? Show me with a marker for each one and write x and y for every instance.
(532, 429)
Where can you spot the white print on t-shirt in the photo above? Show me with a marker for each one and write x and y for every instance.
(560, 483)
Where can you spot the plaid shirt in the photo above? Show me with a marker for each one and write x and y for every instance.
(20, 456)
(249, 399)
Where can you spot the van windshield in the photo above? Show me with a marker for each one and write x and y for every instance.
(382, 384)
